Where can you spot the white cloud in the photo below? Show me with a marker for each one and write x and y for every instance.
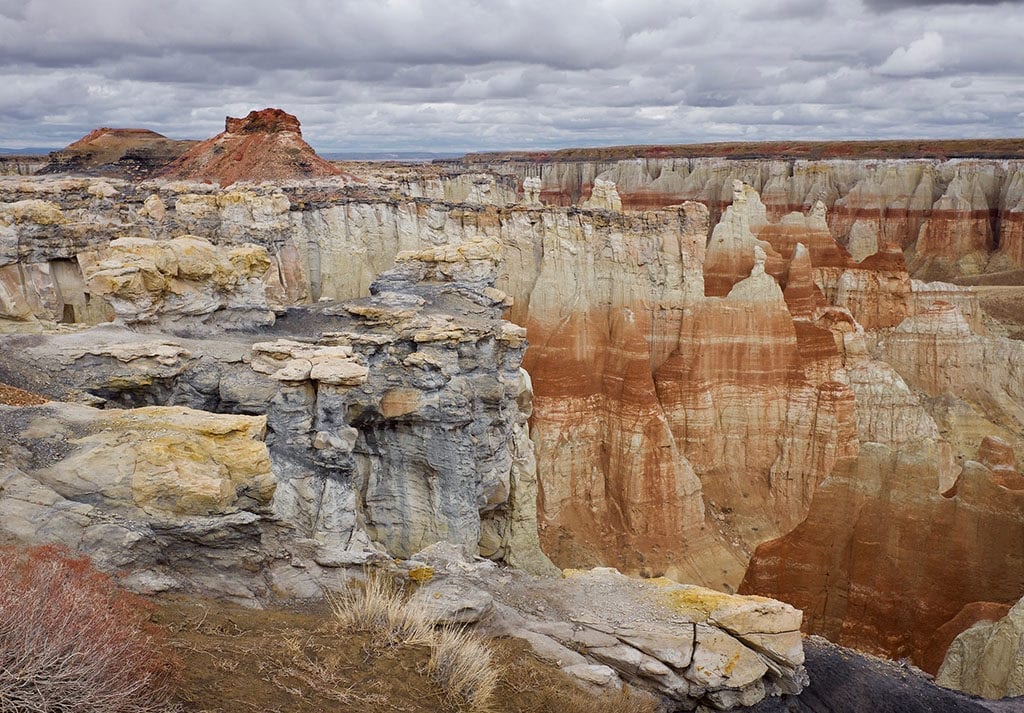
(463, 74)
(922, 56)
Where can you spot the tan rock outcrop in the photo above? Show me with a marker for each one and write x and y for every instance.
(169, 496)
(971, 614)
(689, 645)
(531, 190)
(183, 280)
(988, 658)
(163, 460)
(407, 425)
(730, 252)
(603, 196)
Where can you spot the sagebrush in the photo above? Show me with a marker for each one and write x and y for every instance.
(71, 640)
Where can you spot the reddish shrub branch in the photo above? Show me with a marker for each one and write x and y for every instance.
(71, 640)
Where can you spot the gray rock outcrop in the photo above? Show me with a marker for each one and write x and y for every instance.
(392, 422)
(408, 421)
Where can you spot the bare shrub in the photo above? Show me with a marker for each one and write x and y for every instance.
(460, 661)
(70, 640)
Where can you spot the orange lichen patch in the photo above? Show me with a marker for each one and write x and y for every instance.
(13, 396)
(696, 603)
(421, 574)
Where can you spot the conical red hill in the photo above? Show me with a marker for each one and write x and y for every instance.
(265, 145)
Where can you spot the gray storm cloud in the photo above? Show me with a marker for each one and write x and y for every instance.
(453, 75)
(889, 5)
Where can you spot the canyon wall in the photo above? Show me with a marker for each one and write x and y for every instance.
(642, 416)
(20, 164)
(381, 429)
(404, 426)
(954, 217)
(701, 387)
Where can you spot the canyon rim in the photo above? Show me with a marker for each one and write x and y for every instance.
(653, 391)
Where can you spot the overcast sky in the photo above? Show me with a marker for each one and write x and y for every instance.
(459, 75)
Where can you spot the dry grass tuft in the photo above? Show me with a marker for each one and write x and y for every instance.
(381, 609)
(460, 661)
(464, 666)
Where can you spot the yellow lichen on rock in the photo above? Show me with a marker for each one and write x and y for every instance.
(234, 197)
(191, 462)
(35, 211)
(421, 574)
(199, 260)
(195, 463)
(249, 260)
(696, 602)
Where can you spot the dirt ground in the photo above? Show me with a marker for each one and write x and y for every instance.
(236, 660)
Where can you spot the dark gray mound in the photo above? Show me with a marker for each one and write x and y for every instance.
(845, 681)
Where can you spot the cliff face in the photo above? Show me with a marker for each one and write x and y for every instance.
(955, 217)
(929, 508)
(692, 399)
(20, 164)
(403, 426)
(643, 414)
(391, 426)
(884, 559)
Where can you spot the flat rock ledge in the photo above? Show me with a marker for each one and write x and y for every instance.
(690, 645)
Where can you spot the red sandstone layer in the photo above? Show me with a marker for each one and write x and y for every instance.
(884, 562)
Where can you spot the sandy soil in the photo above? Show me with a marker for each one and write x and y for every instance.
(236, 660)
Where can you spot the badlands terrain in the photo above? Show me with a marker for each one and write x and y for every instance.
(647, 413)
